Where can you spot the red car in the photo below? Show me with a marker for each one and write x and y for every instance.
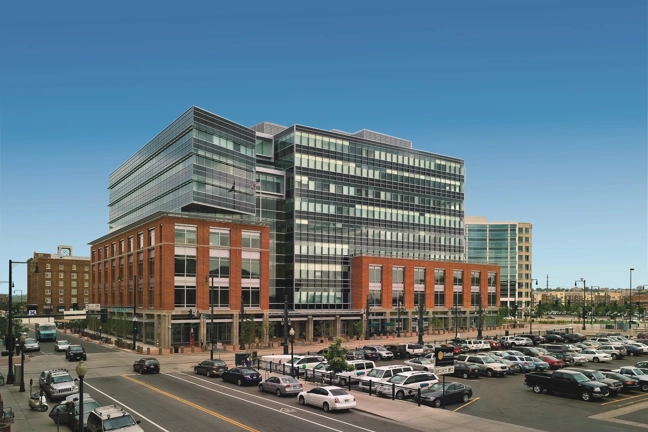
(456, 349)
(494, 345)
(553, 362)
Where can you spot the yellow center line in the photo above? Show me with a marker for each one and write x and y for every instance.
(466, 404)
(191, 404)
(625, 399)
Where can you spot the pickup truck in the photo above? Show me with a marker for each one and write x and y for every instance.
(567, 382)
(636, 373)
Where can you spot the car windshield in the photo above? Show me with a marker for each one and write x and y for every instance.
(580, 377)
(118, 423)
(76, 348)
(30, 341)
(598, 375)
(425, 360)
(290, 380)
(338, 392)
(638, 371)
(376, 373)
(416, 346)
(381, 349)
(62, 379)
(63, 342)
(487, 360)
(152, 362)
(248, 371)
(436, 387)
(219, 363)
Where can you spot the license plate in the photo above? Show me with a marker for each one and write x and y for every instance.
(346, 400)
(295, 386)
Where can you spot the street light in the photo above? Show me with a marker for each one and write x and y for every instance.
(292, 352)
(211, 301)
(421, 312)
(285, 325)
(11, 341)
(531, 308)
(366, 316)
(584, 300)
(456, 314)
(22, 362)
(398, 318)
(241, 315)
(630, 303)
(81, 370)
(592, 301)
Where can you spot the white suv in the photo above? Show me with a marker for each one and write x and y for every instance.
(112, 417)
(406, 384)
(380, 374)
(383, 352)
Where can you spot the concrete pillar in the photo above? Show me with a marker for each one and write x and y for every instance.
(337, 329)
(236, 330)
(310, 326)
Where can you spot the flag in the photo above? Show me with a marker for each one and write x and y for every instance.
(233, 188)
(255, 185)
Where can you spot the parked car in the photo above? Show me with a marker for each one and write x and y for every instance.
(637, 374)
(147, 364)
(553, 362)
(615, 385)
(439, 394)
(486, 365)
(61, 345)
(305, 362)
(328, 397)
(633, 350)
(540, 365)
(553, 338)
(568, 382)
(383, 352)
(67, 413)
(494, 344)
(360, 368)
(406, 384)
(57, 383)
(110, 418)
(31, 344)
(371, 355)
(355, 354)
(528, 351)
(76, 352)
(466, 370)
(398, 351)
(643, 365)
(421, 363)
(526, 366)
(242, 376)
(211, 368)
(642, 347)
(281, 385)
(380, 374)
(536, 339)
(617, 352)
(629, 383)
(596, 356)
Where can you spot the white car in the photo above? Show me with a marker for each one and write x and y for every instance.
(595, 356)
(328, 397)
(61, 345)
(421, 363)
(406, 384)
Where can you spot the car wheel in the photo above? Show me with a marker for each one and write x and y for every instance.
(489, 373)
(586, 396)
(465, 375)
(400, 395)
(278, 393)
(596, 360)
(326, 407)
(437, 403)
(644, 387)
(196, 371)
(614, 356)
(466, 398)
(207, 374)
(239, 382)
(302, 401)
(537, 389)
(631, 354)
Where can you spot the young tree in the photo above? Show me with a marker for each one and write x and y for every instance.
(336, 357)
(249, 331)
(357, 329)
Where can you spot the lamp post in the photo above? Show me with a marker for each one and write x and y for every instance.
(100, 340)
(211, 325)
(584, 301)
(11, 342)
(456, 313)
(592, 301)
(285, 325)
(292, 352)
(22, 362)
(134, 313)
(81, 370)
(398, 318)
(366, 315)
(630, 302)
(241, 315)
(531, 308)
(421, 312)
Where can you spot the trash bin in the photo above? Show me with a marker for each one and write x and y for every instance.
(17, 375)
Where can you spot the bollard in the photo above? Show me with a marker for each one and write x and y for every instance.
(148, 351)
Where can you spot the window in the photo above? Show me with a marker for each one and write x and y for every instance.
(130, 244)
(73, 292)
(398, 275)
(48, 292)
(60, 283)
(419, 276)
(60, 266)
(60, 300)
(48, 266)
(86, 292)
(185, 265)
(492, 289)
(397, 298)
(61, 292)
(251, 296)
(520, 231)
(375, 298)
(121, 247)
(151, 264)
(74, 275)
(185, 296)
(140, 240)
(375, 274)
(73, 266)
(457, 287)
(219, 237)
(526, 230)
(85, 275)
(86, 268)
(439, 287)
(48, 274)
(85, 284)
(151, 237)
(219, 267)
(74, 284)
(250, 268)
(48, 283)
(220, 296)
(520, 249)
(185, 234)
(48, 300)
(251, 239)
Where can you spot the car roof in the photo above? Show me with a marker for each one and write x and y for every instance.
(109, 411)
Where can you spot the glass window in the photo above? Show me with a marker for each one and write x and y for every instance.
(219, 237)
(220, 296)
(251, 296)
(251, 239)
(375, 274)
(151, 237)
(185, 296)
(185, 265)
(185, 234)
(419, 276)
(398, 275)
(250, 268)
(219, 267)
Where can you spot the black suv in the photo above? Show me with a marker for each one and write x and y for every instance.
(398, 350)
(75, 352)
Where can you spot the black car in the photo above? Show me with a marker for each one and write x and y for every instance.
(552, 337)
(242, 376)
(466, 370)
(614, 384)
(75, 352)
(211, 367)
(355, 355)
(438, 395)
(146, 364)
(371, 355)
(628, 382)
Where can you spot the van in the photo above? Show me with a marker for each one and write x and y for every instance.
(360, 368)
(381, 374)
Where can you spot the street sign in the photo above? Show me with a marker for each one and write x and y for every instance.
(95, 307)
(32, 312)
(444, 370)
(444, 356)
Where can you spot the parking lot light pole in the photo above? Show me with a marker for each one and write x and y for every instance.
(292, 352)
(630, 302)
(531, 308)
(421, 312)
(584, 300)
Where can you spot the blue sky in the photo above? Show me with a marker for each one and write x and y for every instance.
(544, 100)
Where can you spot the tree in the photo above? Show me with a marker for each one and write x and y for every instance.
(267, 329)
(336, 357)
(249, 331)
(357, 329)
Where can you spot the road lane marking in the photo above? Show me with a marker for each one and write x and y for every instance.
(191, 404)
(466, 404)
(247, 400)
(125, 406)
(625, 399)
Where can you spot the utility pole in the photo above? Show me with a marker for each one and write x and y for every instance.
(421, 312)
(285, 325)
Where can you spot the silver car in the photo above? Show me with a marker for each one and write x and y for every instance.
(281, 385)
(31, 345)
